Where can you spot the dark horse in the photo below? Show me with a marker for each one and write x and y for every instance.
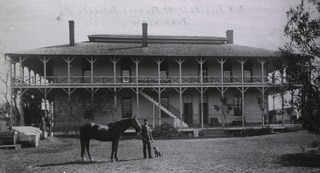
(111, 132)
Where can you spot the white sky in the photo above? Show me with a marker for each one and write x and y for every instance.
(27, 24)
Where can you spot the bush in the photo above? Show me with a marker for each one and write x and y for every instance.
(166, 130)
(256, 132)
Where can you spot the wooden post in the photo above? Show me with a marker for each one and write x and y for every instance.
(242, 61)
(242, 90)
(91, 61)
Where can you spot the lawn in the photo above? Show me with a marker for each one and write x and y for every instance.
(284, 152)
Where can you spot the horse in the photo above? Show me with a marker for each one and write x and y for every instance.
(111, 132)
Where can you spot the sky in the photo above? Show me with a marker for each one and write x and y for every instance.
(28, 24)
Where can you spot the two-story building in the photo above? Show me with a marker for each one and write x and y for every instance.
(174, 79)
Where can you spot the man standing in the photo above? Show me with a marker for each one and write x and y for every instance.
(146, 139)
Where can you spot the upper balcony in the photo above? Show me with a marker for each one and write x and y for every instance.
(139, 81)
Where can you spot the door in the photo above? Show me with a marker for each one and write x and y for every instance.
(187, 113)
(205, 113)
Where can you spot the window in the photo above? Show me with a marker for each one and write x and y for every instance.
(237, 102)
(86, 71)
(125, 70)
(164, 70)
(227, 71)
(87, 76)
(125, 76)
(247, 76)
(247, 73)
(126, 108)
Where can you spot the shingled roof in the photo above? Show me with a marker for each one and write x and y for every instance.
(159, 46)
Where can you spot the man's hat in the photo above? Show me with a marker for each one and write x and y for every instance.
(145, 120)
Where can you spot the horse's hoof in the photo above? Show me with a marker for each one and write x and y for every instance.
(117, 159)
(83, 159)
(112, 160)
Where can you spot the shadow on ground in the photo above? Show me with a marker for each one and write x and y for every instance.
(301, 159)
(80, 162)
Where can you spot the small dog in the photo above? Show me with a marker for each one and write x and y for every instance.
(157, 152)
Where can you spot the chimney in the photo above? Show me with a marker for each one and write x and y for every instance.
(71, 32)
(144, 35)
(229, 34)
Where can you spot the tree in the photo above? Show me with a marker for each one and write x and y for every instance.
(225, 109)
(300, 61)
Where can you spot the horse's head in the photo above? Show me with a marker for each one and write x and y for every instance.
(136, 125)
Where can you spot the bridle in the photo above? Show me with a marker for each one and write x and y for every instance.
(135, 125)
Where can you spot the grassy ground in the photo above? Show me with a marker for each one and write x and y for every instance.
(284, 152)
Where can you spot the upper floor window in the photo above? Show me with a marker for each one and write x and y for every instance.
(227, 71)
(247, 73)
(86, 71)
(125, 76)
(164, 70)
(125, 70)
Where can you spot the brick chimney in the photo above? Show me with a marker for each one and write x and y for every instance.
(144, 35)
(71, 33)
(229, 34)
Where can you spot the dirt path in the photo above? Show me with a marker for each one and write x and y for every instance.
(284, 152)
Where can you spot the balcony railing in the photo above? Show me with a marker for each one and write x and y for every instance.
(133, 80)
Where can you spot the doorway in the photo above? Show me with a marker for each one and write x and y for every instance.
(187, 109)
(205, 113)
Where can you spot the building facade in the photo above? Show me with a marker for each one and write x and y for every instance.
(183, 80)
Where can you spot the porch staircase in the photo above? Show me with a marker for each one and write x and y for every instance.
(177, 121)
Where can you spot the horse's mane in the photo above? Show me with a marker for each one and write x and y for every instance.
(117, 122)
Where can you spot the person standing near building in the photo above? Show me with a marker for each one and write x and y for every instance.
(146, 139)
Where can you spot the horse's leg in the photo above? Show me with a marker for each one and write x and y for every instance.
(82, 148)
(87, 147)
(116, 150)
(112, 150)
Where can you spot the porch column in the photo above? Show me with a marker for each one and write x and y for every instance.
(262, 62)
(159, 61)
(159, 91)
(242, 90)
(68, 61)
(44, 61)
(221, 61)
(222, 91)
(137, 91)
(22, 91)
(180, 62)
(264, 105)
(137, 61)
(180, 91)
(91, 61)
(201, 103)
(11, 92)
(242, 61)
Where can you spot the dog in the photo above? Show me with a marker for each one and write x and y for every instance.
(157, 152)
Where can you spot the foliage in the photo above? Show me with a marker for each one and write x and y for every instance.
(256, 132)
(225, 108)
(299, 61)
(166, 130)
(263, 105)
